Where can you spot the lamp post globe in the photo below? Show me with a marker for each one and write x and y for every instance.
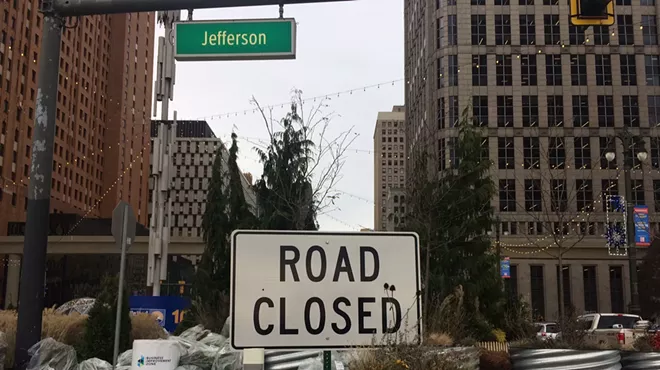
(642, 156)
(610, 156)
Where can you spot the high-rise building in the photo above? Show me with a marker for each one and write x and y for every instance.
(192, 158)
(389, 168)
(551, 97)
(103, 111)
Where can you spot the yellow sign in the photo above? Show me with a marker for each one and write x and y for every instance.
(579, 18)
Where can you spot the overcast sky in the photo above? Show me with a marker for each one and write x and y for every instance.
(341, 46)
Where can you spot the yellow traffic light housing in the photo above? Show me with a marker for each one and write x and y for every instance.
(592, 12)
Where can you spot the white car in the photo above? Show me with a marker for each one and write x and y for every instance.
(547, 330)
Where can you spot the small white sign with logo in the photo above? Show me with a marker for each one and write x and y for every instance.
(320, 290)
(155, 355)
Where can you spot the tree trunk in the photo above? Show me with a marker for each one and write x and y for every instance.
(560, 277)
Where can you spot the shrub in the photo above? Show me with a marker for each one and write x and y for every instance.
(440, 339)
(648, 343)
(145, 326)
(517, 320)
(494, 361)
(100, 330)
(499, 335)
(406, 357)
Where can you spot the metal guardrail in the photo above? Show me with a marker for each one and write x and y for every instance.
(289, 360)
(548, 359)
(640, 360)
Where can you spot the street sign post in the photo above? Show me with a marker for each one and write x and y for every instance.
(123, 230)
(248, 39)
(320, 290)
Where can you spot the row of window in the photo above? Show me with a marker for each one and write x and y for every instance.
(555, 113)
(604, 65)
(558, 196)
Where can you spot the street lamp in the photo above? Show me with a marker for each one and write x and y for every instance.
(627, 139)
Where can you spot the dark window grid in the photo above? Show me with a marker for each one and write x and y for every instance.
(578, 70)
(480, 110)
(537, 293)
(607, 145)
(638, 192)
(566, 285)
(503, 70)
(603, 70)
(654, 110)
(625, 29)
(528, 70)
(505, 153)
(551, 29)
(601, 35)
(555, 111)
(479, 30)
(556, 153)
(584, 195)
(533, 196)
(649, 30)
(502, 29)
(507, 195)
(580, 110)
(530, 110)
(576, 35)
(590, 282)
(656, 195)
(504, 111)
(479, 70)
(553, 70)
(630, 111)
(558, 195)
(609, 187)
(652, 69)
(655, 152)
(531, 153)
(628, 67)
(582, 149)
(527, 29)
(605, 110)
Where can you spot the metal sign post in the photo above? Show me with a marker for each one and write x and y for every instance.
(123, 229)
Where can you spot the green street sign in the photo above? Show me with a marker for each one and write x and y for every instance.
(245, 39)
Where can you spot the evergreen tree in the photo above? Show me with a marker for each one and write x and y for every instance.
(452, 214)
(100, 330)
(285, 194)
(226, 210)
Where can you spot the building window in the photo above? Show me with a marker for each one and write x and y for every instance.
(628, 69)
(605, 110)
(566, 280)
(527, 29)
(652, 67)
(609, 187)
(553, 74)
(533, 196)
(649, 30)
(630, 111)
(530, 110)
(452, 30)
(556, 153)
(603, 70)
(442, 155)
(582, 152)
(441, 113)
(555, 112)
(454, 112)
(584, 195)
(479, 30)
(480, 110)
(505, 153)
(616, 289)
(590, 288)
(638, 192)
(551, 29)
(656, 195)
(511, 284)
(441, 73)
(502, 29)
(558, 195)
(453, 70)
(485, 150)
(655, 152)
(654, 110)
(507, 195)
(601, 35)
(580, 110)
(454, 160)
(531, 152)
(537, 292)
(528, 70)
(479, 70)
(503, 70)
(505, 111)
(579, 70)
(625, 29)
(576, 35)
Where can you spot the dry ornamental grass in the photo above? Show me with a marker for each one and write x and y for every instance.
(70, 329)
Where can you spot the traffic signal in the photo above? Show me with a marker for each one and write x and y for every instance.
(592, 12)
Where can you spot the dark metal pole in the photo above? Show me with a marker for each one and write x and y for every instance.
(31, 296)
(497, 241)
(630, 224)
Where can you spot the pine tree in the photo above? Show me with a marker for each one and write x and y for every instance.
(226, 210)
(284, 193)
(100, 330)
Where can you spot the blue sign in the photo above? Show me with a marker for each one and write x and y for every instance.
(168, 311)
(505, 268)
(641, 220)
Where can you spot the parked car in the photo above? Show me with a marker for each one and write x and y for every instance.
(546, 330)
(615, 330)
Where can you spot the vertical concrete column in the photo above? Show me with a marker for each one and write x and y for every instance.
(253, 359)
(13, 280)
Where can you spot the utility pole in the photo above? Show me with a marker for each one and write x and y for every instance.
(31, 296)
(498, 247)
(33, 271)
(161, 207)
(630, 224)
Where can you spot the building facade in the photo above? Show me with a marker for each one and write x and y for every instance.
(389, 168)
(192, 157)
(550, 98)
(103, 111)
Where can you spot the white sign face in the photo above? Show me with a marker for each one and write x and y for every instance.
(303, 290)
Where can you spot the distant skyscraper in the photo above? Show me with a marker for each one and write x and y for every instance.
(389, 168)
(103, 111)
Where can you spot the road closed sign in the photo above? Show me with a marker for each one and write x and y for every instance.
(319, 290)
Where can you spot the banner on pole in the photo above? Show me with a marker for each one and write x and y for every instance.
(641, 220)
(505, 268)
